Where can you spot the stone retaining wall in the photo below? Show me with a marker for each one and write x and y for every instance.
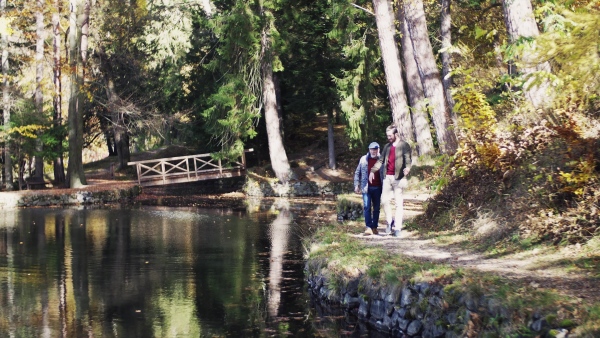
(296, 189)
(420, 309)
(9, 200)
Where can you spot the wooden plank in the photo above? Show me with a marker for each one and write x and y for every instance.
(184, 179)
(169, 159)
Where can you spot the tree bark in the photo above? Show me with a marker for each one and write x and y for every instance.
(416, 96)
(429, 74)
(109, 143)
(75, 173)
(520, 23)
(39, 75)
(59, 167)
(279, 159)
(393, 68)
(121, 136)
(446, 37)
(206, 6)
(331, 140)
(6, 104)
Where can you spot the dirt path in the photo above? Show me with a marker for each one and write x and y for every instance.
(538, 268)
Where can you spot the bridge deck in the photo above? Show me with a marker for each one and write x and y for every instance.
(190, 168)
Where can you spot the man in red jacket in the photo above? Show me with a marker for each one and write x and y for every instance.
(395, 162)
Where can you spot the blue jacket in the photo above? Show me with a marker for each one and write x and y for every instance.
(361, 174)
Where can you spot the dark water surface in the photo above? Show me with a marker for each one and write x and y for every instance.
(154, 272)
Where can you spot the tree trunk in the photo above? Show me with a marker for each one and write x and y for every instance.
(110, 144)
(59, 167)
(279, 159)
(331, 140)
(206, 6)
(120, 133)
(39, 75)
(446, 37)
(393, 68)
(75, 171)
(8, 167)
(416, 96)
(520, 23)
(122, 146)
(429, 74)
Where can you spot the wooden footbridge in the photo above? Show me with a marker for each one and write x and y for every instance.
(184, 169)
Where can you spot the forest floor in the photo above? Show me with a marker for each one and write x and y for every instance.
(563, 269)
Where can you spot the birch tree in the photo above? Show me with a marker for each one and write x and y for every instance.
(39, 75)
(6, 106)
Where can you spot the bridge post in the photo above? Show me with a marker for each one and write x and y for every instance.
(139, 172)
(187, 167)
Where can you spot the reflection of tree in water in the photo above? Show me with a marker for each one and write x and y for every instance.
(279, 242)
(131, 273)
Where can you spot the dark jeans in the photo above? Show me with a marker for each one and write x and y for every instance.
(372, 199)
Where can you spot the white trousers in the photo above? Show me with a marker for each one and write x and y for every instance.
(392, 189)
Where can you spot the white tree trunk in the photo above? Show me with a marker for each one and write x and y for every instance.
(429, 74)
(520, 23)
(75, 172)
(6, 106)
(446, 37)
(39, 75)
(206, 6)
(393, 68)
(415, 93)
(279, 159)
(279, 242)
(59, 168)
(331, 140)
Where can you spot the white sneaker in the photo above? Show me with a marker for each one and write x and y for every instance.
(368, 231)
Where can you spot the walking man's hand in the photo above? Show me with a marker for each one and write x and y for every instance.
(371, 177)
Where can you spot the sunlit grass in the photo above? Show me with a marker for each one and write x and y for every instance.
(344, 257)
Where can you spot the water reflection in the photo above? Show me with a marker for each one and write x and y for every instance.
(135, 273)
(279, 238)
(158, 272)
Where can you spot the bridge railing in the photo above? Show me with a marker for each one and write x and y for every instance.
(187, 168)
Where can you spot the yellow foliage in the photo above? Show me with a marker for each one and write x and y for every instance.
(478, 144)
(581, 177)
(27, 131)
(489, 154)
(476, 115)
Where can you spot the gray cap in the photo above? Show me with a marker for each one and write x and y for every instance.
(374, 145)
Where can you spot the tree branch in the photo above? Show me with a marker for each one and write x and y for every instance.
(364, 9)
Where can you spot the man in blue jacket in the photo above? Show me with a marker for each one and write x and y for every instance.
(395, 162)
(371, 191)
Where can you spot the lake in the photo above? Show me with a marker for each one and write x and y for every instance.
(157, 272)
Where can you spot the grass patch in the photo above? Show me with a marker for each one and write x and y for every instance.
(343, 256)
(347, 254)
